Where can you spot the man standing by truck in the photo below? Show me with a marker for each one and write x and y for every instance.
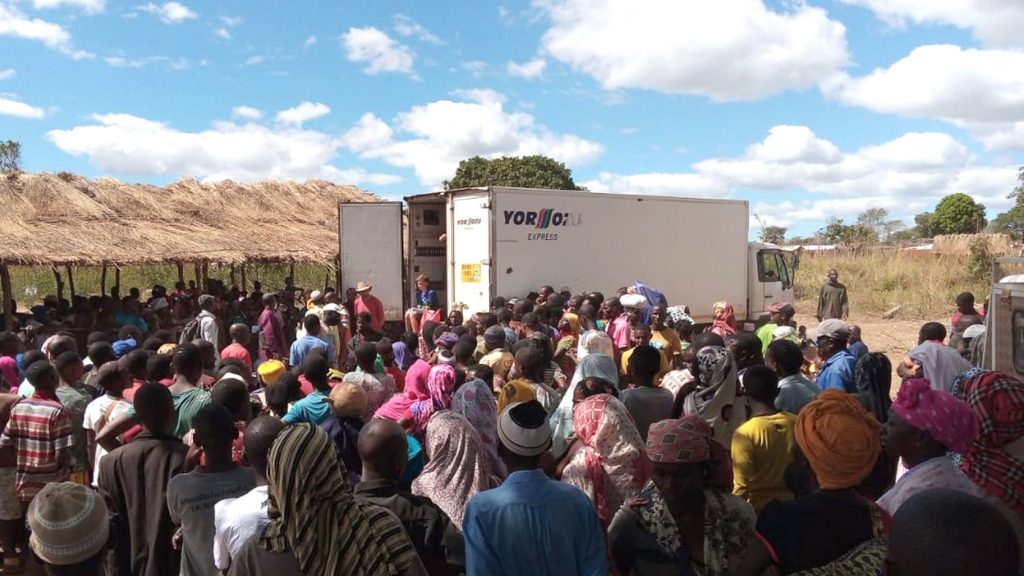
(832, 300)
(366, 302)
(617, 324)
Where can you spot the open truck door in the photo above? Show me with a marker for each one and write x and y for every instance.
(1004, 318)
(470, 274)
(370, 244)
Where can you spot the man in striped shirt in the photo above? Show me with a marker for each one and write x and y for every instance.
(40, 431)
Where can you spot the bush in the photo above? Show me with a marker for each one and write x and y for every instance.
(979, 259)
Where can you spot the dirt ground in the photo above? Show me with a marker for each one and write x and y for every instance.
(893, 337)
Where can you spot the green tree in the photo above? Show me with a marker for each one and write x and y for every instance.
(958, 214)
(876, 220)
(773, 234)
(1012, 221)
(10, 156)
(518, 171)
(838, 232)
(923, 225)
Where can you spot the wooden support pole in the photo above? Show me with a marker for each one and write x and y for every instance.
(245, 285)
(8, 295)
(181, 272)
(206, 277)
(60, 282)
(232, 274)
(199, 277)
(117, 281)
(103, 280)
(71, 279)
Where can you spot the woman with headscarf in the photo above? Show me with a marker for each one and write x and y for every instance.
(873, 378)
(724, 319)
(925, 425)
(405, 356)
(685, 520)
(512, 392)
(441, 386)
(714, 399)
(316, 526)
(594, 342)
(840, 441)
(456, 465)
(426, 339)
(416, 390)
(995, 459)
(568, 339)
(476, 402)
(608, 461)
(598, 365)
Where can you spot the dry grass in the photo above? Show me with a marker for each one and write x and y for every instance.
(67, 219)
(31, 283)
(924, 285)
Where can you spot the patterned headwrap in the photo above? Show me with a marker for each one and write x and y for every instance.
(313, 512)
(447, 339)
(613, 464)
(689, 440)
(950, 421)
(514, 391)
(441, 384)
(998, 400)
(725, 319)
(840, 439)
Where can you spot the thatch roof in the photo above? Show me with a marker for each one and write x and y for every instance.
(66, 219)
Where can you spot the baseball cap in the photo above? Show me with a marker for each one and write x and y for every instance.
(834, 329)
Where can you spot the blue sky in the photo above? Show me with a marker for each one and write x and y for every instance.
(807, 109)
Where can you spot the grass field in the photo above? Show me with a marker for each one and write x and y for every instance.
(924, 285)
(31, 284)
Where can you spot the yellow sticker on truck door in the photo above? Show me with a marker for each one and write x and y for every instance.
(471, 273)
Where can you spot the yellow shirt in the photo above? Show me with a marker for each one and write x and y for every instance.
(624, 364)
(762, 448)
(667, 340)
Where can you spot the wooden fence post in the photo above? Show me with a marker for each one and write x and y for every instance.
(60, 282)
(245, 285)
(71, 280)
(5, 285)
(117, 280)
(103, 280)
(181, 271)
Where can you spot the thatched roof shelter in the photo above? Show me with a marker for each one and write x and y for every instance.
(58, 219)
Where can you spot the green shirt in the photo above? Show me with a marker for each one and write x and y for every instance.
(186, 405)
(765, 335)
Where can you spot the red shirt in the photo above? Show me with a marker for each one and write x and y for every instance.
(129, 393)
(399, 376)
(375, 307)
(38, 428)
(235, 350)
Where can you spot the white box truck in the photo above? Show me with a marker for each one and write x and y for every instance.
(478, 243)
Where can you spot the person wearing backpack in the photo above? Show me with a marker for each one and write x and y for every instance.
(209, 327)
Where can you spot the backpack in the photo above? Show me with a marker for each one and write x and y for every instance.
(190, 332)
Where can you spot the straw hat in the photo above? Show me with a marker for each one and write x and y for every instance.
(364, 287)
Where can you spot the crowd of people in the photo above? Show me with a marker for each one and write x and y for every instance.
(219, 431)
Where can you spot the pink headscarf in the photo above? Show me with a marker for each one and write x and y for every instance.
(416, 389)
(441, 384)
(725, 319)
(950, 421)
(613, 464)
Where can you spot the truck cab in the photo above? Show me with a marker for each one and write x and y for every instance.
(770, 280)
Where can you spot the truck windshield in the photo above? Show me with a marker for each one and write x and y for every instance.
(771, 267)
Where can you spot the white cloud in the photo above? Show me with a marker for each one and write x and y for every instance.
(88, 6)
(126, 144)
(223, 33)
(981, 91)
(407, 27)
(309, 41)
(304, 112)
(378, 51)
(7, 74)
(532, 69)
(9, 107)
(994, 22)
(231, 21)
(906, 175)
(170, 12)
(726, 49)
(247, 112)
(433, 138)
(119, 61)
(253, 60)
(54, 36)
(659, 184)
(475, 67)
